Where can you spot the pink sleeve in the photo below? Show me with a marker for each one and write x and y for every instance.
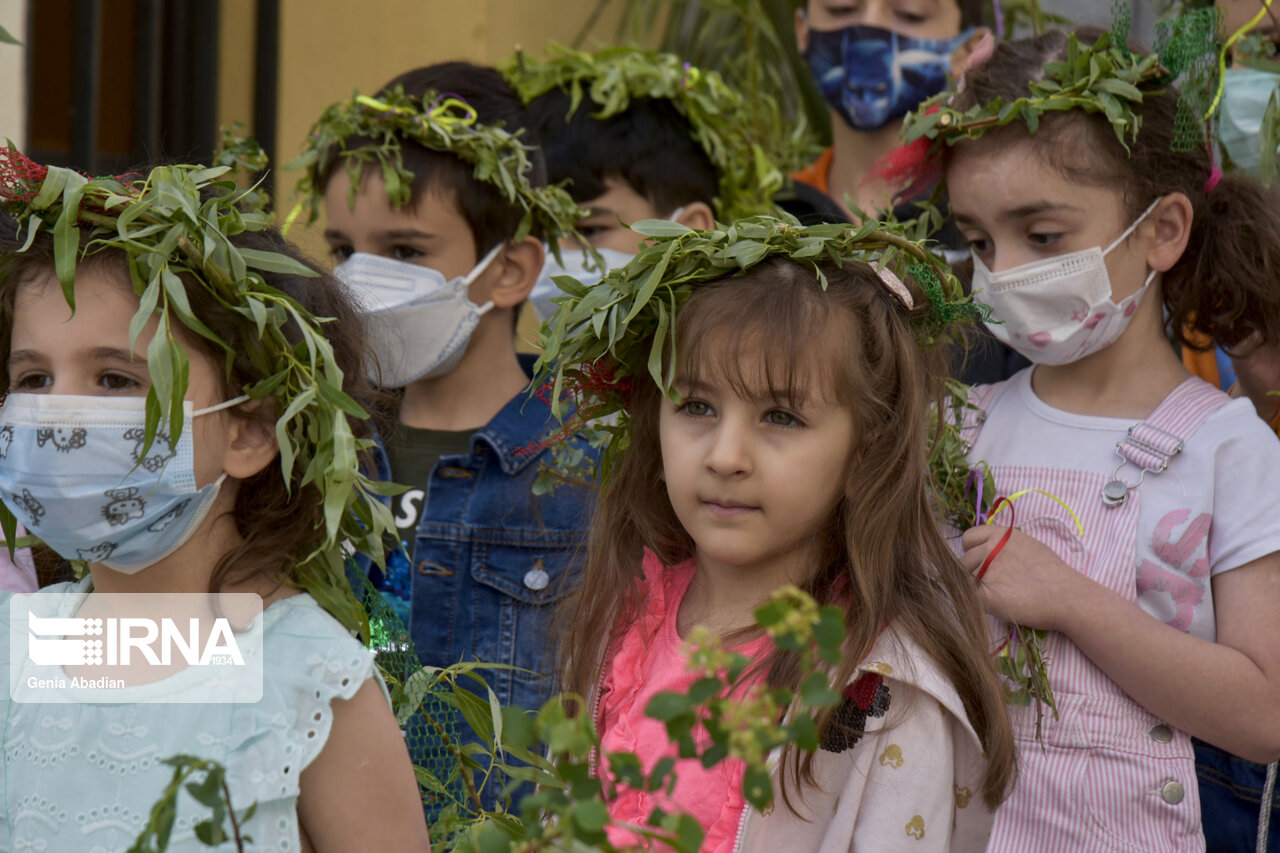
(19, 573)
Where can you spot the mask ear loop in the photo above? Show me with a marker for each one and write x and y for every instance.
(1133, 227)
(234, 401)
(478, 271)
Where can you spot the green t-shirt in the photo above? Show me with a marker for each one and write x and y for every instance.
(412, 454)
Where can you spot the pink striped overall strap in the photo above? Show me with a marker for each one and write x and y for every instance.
(1152, 443)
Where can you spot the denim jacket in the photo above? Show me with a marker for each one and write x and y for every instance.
(491, 559)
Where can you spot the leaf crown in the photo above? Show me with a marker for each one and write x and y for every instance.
(605, 337)
(365, 131)
(175, 227)
(1099, 77)
(716, 113)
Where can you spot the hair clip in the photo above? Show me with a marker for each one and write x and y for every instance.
(894, 285)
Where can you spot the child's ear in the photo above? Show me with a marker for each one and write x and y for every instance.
(977, 49)
(698, 216)
(1170, 228)
(251, 444)
(518, 266)
(802, 30)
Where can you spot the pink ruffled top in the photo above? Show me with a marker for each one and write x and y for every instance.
(650, 658)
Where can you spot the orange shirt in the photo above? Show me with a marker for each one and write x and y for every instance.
(1205, 365)
(817, 174)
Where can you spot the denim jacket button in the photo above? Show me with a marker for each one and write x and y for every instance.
(536, 579)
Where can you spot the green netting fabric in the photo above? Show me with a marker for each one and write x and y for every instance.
(1188, 47)
(426, 716)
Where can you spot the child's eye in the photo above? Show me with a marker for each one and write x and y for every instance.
(589, 231)
(341, 253)
(30, 382)
(406, 253)
(979, 245)
(909, 17)
(694, 409)
(779, 418)
(118, 382)
(1043, 240)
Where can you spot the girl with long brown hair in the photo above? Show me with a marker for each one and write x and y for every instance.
(790, 448)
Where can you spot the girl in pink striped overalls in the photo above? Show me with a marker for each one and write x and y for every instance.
(1162, 615)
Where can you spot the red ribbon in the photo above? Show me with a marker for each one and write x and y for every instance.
(1004, 540)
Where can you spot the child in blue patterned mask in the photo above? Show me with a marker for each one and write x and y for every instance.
(873, 61)
(212, 504)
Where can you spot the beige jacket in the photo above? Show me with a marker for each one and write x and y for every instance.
(911, 783)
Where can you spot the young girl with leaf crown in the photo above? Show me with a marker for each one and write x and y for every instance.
(1147, 539)
(776, 437)
(179, 417)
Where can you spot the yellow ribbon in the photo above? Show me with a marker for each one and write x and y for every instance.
(290, 219)
(1059, 501)
(442, 113)
(1226, 48)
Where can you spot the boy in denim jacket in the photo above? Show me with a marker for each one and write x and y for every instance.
(435, 204)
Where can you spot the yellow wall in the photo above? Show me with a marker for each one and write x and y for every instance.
(328, 48)
(331, 47)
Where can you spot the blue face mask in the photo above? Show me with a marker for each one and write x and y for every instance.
(872, 76)
(1245, 95)
(71, 470)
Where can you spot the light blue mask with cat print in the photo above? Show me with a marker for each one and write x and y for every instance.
(73, 472)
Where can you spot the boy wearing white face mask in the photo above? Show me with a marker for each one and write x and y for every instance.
(1154, 567)
(439, 235)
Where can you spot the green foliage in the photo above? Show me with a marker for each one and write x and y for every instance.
(7, 38)
(174, 227)
(718, 117)
(1269, 141)
(210, 791)
(1021, 660)
(1097, 78)
(751, 43)
(245, 158)
(608, 335)
(366, 131)
(566, 811)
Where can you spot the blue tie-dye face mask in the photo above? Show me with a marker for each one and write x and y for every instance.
(872, 76)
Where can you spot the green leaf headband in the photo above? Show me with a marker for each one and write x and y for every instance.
(442, 123)
(175, 226)
(716, 113)
(606, 336)
(1103, 77)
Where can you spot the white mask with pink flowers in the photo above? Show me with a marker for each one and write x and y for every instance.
(1058, 310)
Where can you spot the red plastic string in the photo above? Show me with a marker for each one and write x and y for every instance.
(1004, 540)
(1013, 633)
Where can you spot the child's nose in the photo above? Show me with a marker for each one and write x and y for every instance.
(730, 452)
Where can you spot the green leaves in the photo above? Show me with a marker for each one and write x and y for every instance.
(437, 122)
(209, 789)
(176, 228)
(1102, 77)
(737, 138)
(622, 328)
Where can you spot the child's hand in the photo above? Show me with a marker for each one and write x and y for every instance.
(1027, 583)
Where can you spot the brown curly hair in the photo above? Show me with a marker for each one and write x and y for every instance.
(1226, 286)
